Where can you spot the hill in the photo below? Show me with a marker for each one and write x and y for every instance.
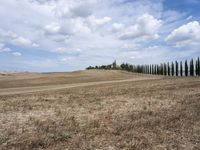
(44, 79)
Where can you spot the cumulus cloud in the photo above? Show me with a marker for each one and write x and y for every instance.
(43, 1)
(52, 28)
(3, 48)
(89, 31)
(185, 35)
(74, 9)
(72, 52)
(14, 38)
(131, 46)
(97, 22)
(117, 27)
(62, 31)
(146, 26)
(21, 41)
(35, 45)
(58, 33)
(16, 54)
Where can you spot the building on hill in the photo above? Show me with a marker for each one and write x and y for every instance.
(115, 66)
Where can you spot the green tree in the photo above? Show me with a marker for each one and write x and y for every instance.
(168, 69)
(172, 69)
(155, 69)
(198, 66)
(181, 69)
(186, 68)
(165, 69)
(161, 69)
(191, 68)
(152, 68)
(177, 69)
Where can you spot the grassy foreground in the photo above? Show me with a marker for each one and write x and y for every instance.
(149, 114)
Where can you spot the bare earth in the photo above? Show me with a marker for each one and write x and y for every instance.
(99, 110)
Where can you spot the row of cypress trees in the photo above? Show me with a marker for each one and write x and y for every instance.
(168, 69)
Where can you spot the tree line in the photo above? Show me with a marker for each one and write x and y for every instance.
(167, 69)
(191, 68)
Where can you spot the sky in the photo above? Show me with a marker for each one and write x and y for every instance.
(68, 35)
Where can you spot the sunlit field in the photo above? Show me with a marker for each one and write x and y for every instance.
(97, 113)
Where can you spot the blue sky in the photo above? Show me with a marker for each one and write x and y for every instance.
(67, 35)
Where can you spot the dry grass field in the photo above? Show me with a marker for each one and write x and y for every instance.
(99, 110)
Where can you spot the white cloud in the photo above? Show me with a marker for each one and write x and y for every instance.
(117, 27)
(185, 35)
(66, 59)
(21, 41)
(63, 31)
(1, 45)
(52, 28)
(74, 9)
(3, 48)
(146, 26)
(35, 45)
(14, 38)
(43, 1)
(131, 46)
(69, 51)
(97, 22)
(16, 54)
(89, 31)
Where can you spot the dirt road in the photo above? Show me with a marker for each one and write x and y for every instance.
(23, 90)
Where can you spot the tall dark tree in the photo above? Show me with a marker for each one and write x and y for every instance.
(165, 69)
(186, 68)
(172, 69)
(152, 67)
(181, 69)
(158, 69)
(191, 68)
(150, 70)
(155, 69)
(198, 66)
(168, 69)
(161, 69)
(177, 69)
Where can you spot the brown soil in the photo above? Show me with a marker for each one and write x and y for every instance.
(149, 112)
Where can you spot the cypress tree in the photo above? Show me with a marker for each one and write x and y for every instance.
(158, 69)
(191, 68)
(177, 68)
(168, 69)
(165, 69)
(198, 66)
(192, 64)
(155, 70)
(172, 69)
(161, 69)
(150, 70)
(146, 69)
(186, 68)
(181, 69)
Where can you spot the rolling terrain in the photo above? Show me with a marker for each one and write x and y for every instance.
(100, 110)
